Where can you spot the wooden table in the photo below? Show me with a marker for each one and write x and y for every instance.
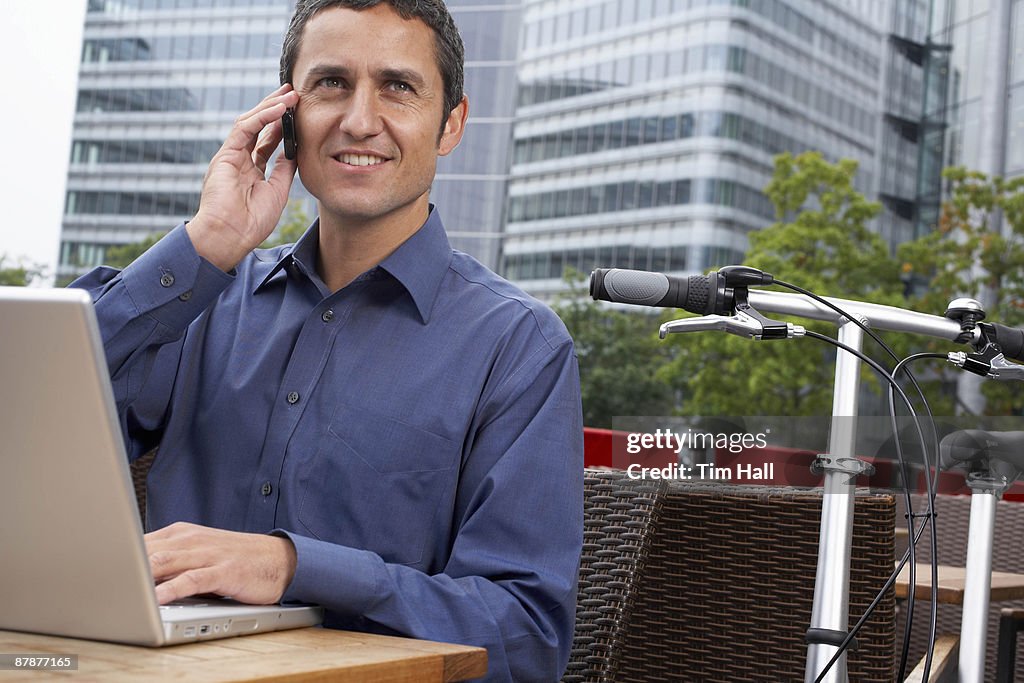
(1005, 585)
(310, 654)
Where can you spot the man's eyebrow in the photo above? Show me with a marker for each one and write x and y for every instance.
(409, 76)
(321, 70)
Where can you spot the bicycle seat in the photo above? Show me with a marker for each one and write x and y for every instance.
(1001, 452)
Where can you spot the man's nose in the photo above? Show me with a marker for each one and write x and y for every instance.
(362, 117)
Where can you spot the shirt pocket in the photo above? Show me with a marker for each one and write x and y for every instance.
(379, 484)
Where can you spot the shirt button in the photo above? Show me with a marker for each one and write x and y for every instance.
(185, 296)
(328, 316)
(293, 397)
(166, 280)
(266, 489)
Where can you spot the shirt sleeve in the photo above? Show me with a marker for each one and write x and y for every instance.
(510, 581)
(143, 312)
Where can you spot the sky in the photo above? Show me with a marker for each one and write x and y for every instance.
(40, 43)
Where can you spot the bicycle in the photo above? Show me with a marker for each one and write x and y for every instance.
(724, 301)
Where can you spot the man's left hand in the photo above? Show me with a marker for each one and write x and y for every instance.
(188, 559)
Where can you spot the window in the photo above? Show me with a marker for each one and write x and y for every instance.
(633, 132)
(645, 195)
(663, 194)
(650, 134)
(627, 196)
(660, 259)
(616, 134)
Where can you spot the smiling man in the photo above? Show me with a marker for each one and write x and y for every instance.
(366, 419)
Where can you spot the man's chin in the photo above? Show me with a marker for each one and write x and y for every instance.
(361, 213)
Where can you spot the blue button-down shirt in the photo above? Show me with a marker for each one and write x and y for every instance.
(417, 434)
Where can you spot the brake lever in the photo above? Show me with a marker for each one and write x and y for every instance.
(741, 324)
(988, 362)
(744, 322)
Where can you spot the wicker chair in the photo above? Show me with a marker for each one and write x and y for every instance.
(619, 516)
(140, 469)
(728, 587)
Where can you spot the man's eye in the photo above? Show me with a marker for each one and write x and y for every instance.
(401, 86)
(332, 82)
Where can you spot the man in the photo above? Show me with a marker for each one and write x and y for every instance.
(366, 420)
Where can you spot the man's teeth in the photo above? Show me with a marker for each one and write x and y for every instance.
(360, 160)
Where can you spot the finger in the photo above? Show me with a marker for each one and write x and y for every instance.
(282, 90)
(281, 177)
(193, 582)
(248, 126)
(171, 531)
(268, 141)
(166, 564)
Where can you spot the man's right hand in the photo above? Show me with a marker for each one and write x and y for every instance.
(239, 205)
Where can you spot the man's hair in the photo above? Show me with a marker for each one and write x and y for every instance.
(448, 47)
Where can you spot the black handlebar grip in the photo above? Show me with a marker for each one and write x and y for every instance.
(1010, 340)
(644, 288)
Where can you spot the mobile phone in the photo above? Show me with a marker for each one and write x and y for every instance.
(291, 143)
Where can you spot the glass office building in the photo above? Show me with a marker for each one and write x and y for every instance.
(646, 129)
(472, 182)
(160, 84)
(985, 107)
(162, 81)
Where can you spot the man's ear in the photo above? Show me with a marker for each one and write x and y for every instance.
(454, 127)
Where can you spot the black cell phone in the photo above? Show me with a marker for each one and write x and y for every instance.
(291, 142)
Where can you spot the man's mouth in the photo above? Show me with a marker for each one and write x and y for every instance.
(360, 159)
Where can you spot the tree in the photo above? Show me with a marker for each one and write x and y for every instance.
(821, 242)
(968, 255)
(619, 356)
(121, 256)
(19, 273)
(294, 222)
(290, 228)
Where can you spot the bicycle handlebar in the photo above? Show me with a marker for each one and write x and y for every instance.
(702, 295)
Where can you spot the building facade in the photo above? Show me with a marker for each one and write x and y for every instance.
(472, 182)
(630, 133)
(160, 84)
(646, 129)
(985, 104)
(162, 81)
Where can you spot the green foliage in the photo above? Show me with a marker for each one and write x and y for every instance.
(821, 242)
(290, 228)
(969, 256)
(121, 256)
(19, 273)
(619, 356)
(293, 223)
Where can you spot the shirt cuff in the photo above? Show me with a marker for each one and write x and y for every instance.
(172, 283)
(342, 579)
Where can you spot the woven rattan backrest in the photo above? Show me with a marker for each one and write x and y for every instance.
(619, 514)
(140, 470)
(728, 587)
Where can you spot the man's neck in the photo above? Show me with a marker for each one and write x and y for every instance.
(348, 249)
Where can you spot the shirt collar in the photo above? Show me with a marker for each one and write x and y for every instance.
(419, 263)
(302, 254)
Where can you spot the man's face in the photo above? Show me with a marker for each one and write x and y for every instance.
(370, 104)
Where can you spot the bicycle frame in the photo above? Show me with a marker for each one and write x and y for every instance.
(831, 585)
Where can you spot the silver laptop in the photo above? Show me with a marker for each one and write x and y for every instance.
(72, 558)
